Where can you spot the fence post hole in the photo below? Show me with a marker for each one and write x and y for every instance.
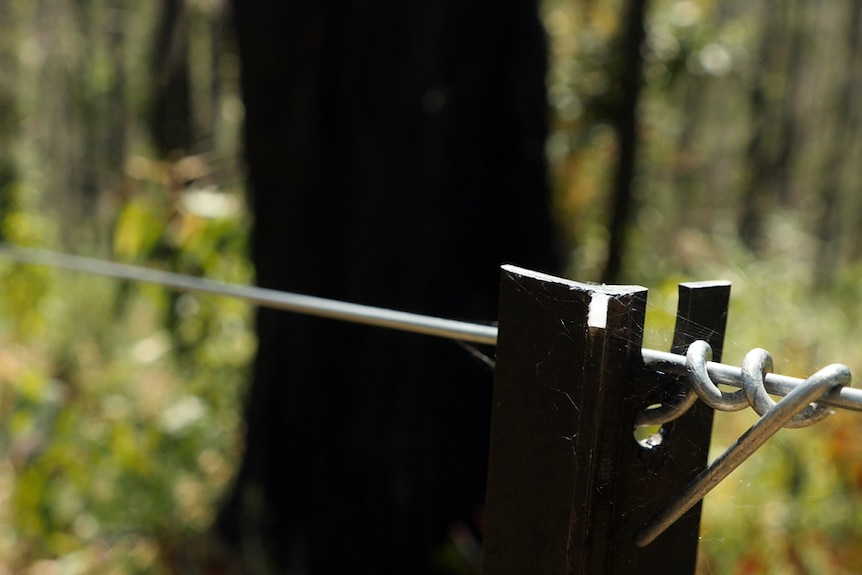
(568, 484)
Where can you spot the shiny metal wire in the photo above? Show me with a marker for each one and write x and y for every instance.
(696, 358)
(286, 301)
(755, 368)
(776, 384)
(756, 364)
(667, 411)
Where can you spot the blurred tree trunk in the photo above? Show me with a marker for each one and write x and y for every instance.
(625, 118)
(773, 137)
(171, 117)
(756, 195)
(796, 16)
(829, 226)
(9, 126)
(396, 157)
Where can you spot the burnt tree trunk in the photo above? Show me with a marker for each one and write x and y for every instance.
(625, 119)
(171, 116)
(396, 157)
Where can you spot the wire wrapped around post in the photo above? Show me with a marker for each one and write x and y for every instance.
(794, 410)
(474, 332)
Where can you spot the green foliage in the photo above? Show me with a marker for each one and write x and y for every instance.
(747, 146)
(120, 421)
(112, 436)
(119, 403)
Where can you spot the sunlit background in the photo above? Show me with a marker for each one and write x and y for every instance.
(120, 402)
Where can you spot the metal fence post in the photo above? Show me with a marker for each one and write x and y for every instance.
(568, 485)
(701, 314)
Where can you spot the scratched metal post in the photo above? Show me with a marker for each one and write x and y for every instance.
(667, 468)
(564, 353)
(568, 484)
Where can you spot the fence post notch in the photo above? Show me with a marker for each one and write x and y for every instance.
(568, 485)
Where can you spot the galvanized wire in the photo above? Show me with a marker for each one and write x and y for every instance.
(777, 416)
(846, 398)
(776, 384)
(263, 297)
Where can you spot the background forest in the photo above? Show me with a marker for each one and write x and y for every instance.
(120, 402)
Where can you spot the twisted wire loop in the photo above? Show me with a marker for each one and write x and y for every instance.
(777, 415)
(699, 352)
(666, 411)
(755, 366)
(757, 363)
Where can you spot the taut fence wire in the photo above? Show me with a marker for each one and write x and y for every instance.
(473, 332)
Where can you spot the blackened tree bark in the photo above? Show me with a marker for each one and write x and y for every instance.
(625, 119)
(396, 157)
(171, 118)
